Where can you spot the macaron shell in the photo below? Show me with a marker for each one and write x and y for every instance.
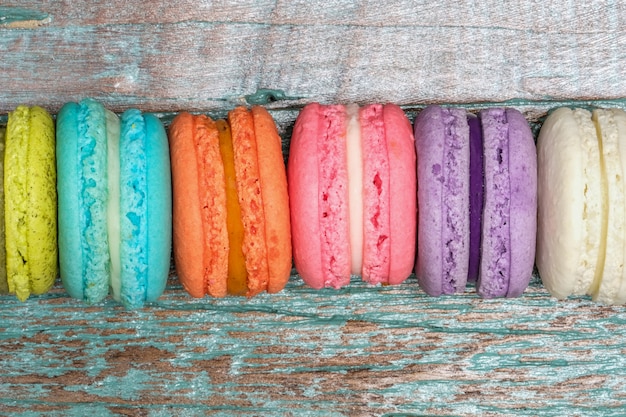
(332, 194)
(69, 199)
(4, 285)
(186, 205)
(82, 188)
(594, 213)
(31, 202)
(145, 208)
(376, 196)
(273, 179)
(133, 209)
(318, 170)
(199, 206)
(568, 193)
(429, 139)
(613, 267)
(159, 207)
(212, 192)
(523, 202)
(495, 264)
(250, 199)
(303, 178)
(442, 143)
(619, 117)
(402, 194)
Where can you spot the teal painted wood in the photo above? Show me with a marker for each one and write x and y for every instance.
(358, 351)
(19, 17)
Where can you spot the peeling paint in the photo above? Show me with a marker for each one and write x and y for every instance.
(344, 352)
(16, 17)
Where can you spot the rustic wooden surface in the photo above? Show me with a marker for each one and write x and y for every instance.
(359, 351)
(206, 55)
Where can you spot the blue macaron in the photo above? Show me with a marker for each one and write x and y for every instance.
(114, 192)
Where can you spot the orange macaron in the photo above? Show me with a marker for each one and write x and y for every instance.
(231, 226)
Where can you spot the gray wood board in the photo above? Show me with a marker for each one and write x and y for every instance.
(160, 56)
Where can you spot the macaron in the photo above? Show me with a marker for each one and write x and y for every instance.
(4, 285)
(28, 228)
(232, 233)
(352, 194)
(581, 231)
(114, 190)
(477, 201)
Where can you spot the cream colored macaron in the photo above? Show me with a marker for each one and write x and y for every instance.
(581, 236)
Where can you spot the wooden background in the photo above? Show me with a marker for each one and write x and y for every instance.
(355, 352)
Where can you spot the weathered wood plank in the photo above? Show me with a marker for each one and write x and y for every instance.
(359, 351)
(562, 17)
(210, 57)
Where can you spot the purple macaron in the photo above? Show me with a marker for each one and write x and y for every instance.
(477, 201)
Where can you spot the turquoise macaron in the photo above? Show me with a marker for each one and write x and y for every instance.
(115, 204)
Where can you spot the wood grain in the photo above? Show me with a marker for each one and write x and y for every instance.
(210, 55)
(359, 351)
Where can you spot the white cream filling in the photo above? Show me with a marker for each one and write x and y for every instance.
(113, 202)
(355, 186)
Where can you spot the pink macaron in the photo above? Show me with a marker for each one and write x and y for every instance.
(352, 192)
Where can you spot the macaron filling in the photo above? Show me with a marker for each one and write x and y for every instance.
(237, 274)
(355, 186)
(496, 240)
(113, 201)
(476, 184)
(134, 209)
(603, 218)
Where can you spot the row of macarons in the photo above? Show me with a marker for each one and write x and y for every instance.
(100, 199)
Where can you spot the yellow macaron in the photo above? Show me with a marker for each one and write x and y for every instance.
(30, 202)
